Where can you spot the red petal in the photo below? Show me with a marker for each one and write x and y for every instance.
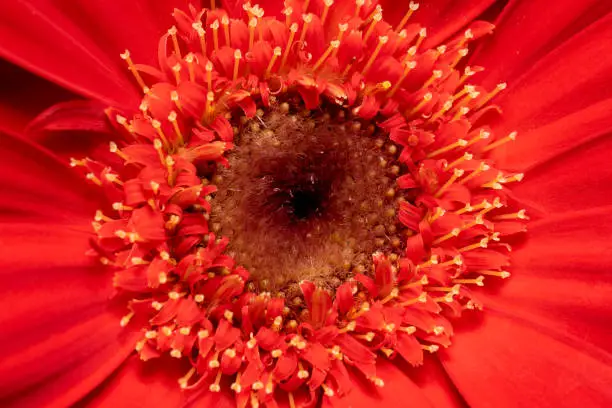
(60, 338)
(31, 176)
(523, 366)
(561, 279)
(560, 103)
(152, 384)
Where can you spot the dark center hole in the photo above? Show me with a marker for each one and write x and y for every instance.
(305, 203)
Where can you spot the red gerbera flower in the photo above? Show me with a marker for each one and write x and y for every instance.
(304, 205)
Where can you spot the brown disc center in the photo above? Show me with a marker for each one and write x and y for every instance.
(306, 196)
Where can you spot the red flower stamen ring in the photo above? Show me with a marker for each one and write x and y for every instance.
(295, 198)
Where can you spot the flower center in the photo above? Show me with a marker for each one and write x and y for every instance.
(307, 195)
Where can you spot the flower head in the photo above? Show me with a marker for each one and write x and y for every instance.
(300, 196)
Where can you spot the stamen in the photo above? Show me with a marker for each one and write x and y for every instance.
(436, 74)
(375, 19)
(276, 53)
(92, 177)
(454, 233)
(126, 57)
(408, 66)
(307, 20)
(479, 281)
(174, 97)
(481, 244)
(483, 167)
(215, 28)
(237, 58)
(332, 46)
(510, 137)
(456, 174)
(214, 387)
(287, 11)
(500, 87)
(458, 143)
(177, 50)
(327, 4)
(358, 4)
(293, 29)
(466, 157)
(202, 35)
(412, 7)
(158, 127)
(209, 68)
(226, 31)
(382, 40)
(179, 135)
(426, 98)
(177, 72)
(520, 215)
(252, 26)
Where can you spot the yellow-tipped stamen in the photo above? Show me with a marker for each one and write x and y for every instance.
(215, 387)
(483, 167)
(327, 4)
(179, 135)
(184, 380)
(466, 157)
(464, 110)
(215, 28)
(445, 108)
(382, 40)
(252, 26)
(307, 20)
(276, 53)
(433, 260)
(460, 54)
(177, 73)
(454, 289)
(126, 319)
(92, 177)
(341, 30)
(128, 59)
(174, 97)
(412, 7)
(483, 243)
(499, 274)
(422, 298)
(454, 233)
(292, 30)
(210, 107)
(332, 46)
(467, 35)
(358, 5)
(511, 179)
(291, 400)
(479, 281)
(177, 50)
(467, 72)
(287, 11)
(482, 134)
(520, 215)
(436, 74)
(423, 281)
(226, 32)
(458, 143)
(113, 178)
(170, 168)
(159, 147)
(439, 212)
(510, 137)
(237, 58)
(202, 35)
(123, 122)
(432, 348)
(413, 50)
(456, 174)
(189, 60)
(457, 260)
(500, 87)
(114, 149)
(465, 90)
(375, 19)
(158, 127)
(208, 68)
(408, 66)
(426, 98)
